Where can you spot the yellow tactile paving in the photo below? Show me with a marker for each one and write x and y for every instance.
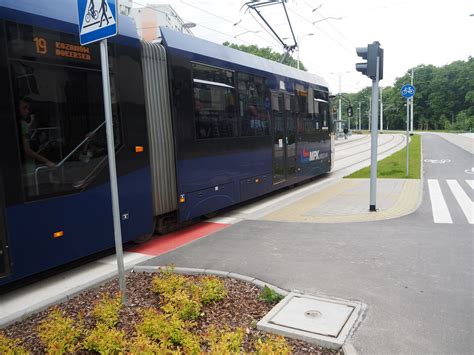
(348, 201)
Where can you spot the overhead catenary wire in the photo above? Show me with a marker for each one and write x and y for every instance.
(234, 24)
(352, 52)
(198, 24)
(335, 29)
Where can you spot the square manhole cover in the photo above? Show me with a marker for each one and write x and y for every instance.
(312, 315)
(318, 320)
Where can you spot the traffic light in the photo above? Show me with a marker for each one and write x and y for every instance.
(349, 111)
(370, 53)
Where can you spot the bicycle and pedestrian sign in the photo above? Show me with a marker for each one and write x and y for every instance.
(408, 91)
(97, 20)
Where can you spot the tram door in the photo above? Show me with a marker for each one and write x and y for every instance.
(4, 262)
(284, 137)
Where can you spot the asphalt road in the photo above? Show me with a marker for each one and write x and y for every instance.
(415, 274)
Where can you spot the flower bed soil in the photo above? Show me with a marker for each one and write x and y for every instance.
(241, 308)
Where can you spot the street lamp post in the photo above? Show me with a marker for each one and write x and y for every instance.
(381, 109)
(339, 112)
(298, 48)
(360, 127)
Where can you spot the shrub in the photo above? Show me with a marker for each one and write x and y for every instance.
(164, 328)
(107, 310)
(212, 289)
(168, 283)
(273, 345)
(224, 341)
(11, 346)
(269, 296)
(181, 305)
(191, 344)
(59, 334)
(105, 340)
(143, 345)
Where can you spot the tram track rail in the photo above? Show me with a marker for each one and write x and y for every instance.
(355, 143)
(394, 148)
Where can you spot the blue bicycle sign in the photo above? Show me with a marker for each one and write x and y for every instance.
(407, 91)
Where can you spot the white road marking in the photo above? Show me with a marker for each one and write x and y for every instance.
(438, 204)
(463, 199)
(225, 220)
(437, 161)
(470, 183)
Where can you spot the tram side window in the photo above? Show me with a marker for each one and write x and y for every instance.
(214, 102)
(254, 105)
(60, 114)
(321, 109)
(306, 123)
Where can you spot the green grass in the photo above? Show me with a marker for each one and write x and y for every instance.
(394, 166)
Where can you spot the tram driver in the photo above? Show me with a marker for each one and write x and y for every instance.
(30, 156)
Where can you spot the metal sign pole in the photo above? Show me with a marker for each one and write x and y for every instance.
(104, 56)
(411, 102)
(374, 133)
(408, 129)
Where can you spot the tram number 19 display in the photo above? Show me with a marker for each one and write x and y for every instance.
(41, 45)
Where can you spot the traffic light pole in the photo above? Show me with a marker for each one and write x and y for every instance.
(373, 68)
(374, 139)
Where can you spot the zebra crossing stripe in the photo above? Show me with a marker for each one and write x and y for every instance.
(463, 199)
(438, 204)
(470, 183)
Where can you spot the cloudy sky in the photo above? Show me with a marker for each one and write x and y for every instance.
(411, 32)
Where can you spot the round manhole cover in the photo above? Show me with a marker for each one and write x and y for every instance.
(312, 313)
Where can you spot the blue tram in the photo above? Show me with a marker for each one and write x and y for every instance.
(198, 127)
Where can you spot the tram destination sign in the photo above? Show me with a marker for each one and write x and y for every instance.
(97, 20)
(28, 42)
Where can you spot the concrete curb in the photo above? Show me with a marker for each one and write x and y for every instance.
(233, 275)
(348, 349)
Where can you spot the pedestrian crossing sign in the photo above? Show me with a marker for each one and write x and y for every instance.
(97, 20)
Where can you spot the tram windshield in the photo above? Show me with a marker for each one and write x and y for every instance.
(60, 117)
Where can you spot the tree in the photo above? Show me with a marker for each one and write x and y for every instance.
(444, 97)
(266, 52)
